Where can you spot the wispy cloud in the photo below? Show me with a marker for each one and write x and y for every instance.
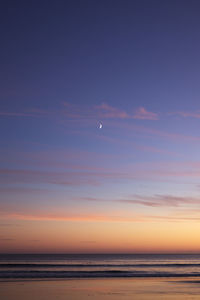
(137, 218)
(70, 178)
(107, 111)
(142, 114)
(77, 112)
(67, 217)
(77, 175)
(102, 111)
(187, 114)
(162, 200)
(156, 200)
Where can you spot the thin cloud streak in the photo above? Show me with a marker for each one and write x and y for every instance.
(186, 114)
(162, 200)
(151, 201)
(102, 111)
(97, 218)
(9, 176)
(106, 111)
(96, 177)
(142, 114)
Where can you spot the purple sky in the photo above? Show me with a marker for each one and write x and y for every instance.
(66, 68)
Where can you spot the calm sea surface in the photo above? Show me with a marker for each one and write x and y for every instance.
(96, 266)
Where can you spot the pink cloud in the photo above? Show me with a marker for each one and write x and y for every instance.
(107, 111)
(142, 114)
(12, 213)
(137, 218)
(84, 113)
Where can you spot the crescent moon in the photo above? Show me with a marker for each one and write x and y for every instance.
(100, 126)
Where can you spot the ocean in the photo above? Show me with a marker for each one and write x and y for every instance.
(44, 266)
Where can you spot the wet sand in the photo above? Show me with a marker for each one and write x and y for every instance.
(96, 289)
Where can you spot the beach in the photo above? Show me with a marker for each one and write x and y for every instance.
(96, 289)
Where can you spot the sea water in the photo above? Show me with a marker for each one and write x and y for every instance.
(98, 265)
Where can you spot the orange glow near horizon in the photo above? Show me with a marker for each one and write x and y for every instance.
(99, 237)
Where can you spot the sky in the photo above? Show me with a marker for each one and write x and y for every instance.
(69, 186)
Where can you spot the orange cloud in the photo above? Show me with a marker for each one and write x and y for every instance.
(98, 218)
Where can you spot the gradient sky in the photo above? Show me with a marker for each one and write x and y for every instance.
(65, 184)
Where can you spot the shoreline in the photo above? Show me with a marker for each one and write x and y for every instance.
(101, 288)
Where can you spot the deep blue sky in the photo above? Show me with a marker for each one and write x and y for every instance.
(122, 52)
